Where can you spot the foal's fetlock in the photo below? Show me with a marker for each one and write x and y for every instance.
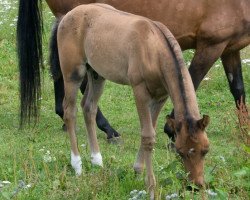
(76, 163)
(151, 183)
(138, 168)
(148, 143)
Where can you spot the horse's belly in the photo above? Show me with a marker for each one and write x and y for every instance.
(110, 70)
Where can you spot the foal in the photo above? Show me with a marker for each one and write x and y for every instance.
(127, 49)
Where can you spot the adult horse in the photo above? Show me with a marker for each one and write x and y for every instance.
(215, 28)
(106, 43)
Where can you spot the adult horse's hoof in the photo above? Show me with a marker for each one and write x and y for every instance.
(112, 133)
(115, 140)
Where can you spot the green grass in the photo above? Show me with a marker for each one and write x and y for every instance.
(23, 151)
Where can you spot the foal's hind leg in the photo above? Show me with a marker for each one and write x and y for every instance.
(69, 105)
(101, 121)
(89, 106)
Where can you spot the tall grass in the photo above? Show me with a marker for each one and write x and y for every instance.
(34, 162)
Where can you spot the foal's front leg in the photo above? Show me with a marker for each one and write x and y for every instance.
(89, 106)
(143, 100)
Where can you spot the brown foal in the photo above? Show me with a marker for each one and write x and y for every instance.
(127, 49)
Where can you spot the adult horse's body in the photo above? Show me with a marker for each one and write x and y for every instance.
(215, 28)
(127, 49)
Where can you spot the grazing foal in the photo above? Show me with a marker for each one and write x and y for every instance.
(127, 49)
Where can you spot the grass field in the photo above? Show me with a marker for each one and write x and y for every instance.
(34, 162)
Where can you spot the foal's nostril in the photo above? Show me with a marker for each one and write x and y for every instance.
(199, 182)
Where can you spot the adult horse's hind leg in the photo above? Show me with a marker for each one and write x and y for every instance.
(89, 106)
(69, 105)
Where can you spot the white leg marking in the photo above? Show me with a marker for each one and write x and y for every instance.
(76, 163)
(96, 159)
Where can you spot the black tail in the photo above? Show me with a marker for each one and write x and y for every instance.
(30, 58)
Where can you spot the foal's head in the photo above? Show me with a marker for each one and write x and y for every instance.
(192, 145)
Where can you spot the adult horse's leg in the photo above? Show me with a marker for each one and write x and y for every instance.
(101, 121)
(204, 58)
(233, 69)
(89, 106)
(143, 100)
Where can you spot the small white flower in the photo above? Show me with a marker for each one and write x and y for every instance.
(223, 158)
(27, 186)
(206, 78)
(246, 61)
(47, 158)
(171, 196)
(211, 193)
(83, 145)
(132, 193)
(6, 182)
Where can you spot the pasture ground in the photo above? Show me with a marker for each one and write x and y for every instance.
(34, 162)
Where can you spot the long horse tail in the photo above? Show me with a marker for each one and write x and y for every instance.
(30, 57)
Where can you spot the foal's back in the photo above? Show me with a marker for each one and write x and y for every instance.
(115, 43)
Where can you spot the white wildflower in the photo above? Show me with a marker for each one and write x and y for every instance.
(6, 182)
(132, 193)
(171, 196)
(207, 78)
(246, 61)
(222, 158)
(211, 193)
(27, 186)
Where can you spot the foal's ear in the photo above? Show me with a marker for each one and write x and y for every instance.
(202, 123)
(170, 122)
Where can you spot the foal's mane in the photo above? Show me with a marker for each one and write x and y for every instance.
(179, 63)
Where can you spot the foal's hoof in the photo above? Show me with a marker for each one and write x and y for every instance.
(115, 140)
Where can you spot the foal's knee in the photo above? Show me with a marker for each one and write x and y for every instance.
(148, 143)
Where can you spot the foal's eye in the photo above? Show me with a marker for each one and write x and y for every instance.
(181, 154)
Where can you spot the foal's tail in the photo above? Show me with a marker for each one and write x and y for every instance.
(30, 58)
